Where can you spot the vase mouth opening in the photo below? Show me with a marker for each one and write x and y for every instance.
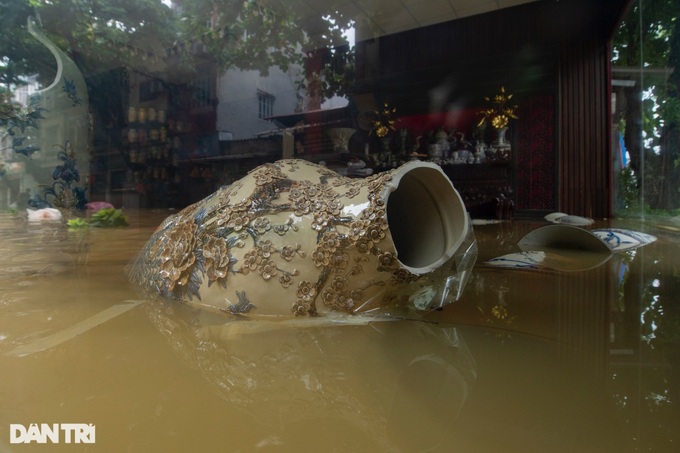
(426, 216)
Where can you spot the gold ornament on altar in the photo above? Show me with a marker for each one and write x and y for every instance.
(499, 114)
(385, 121)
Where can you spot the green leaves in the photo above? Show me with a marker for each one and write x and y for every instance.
(77, 223)
(649, 39)
(104, 218)
(149, 36)
(108, 217)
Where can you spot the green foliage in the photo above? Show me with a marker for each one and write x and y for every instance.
(631, 206)
(147, 35)
(329, 72)
(649, 39)
(77, 223)
(16, 45)
(243, 33)
(669, 110)
(109, 217)
(97, 34)
(104, 218)
(637, 210)
(628, 188)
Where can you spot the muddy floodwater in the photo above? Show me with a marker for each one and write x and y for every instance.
(528, 360)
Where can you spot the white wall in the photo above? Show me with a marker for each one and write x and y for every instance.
(237, 91)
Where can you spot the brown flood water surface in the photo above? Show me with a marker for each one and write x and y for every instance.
(525, 361)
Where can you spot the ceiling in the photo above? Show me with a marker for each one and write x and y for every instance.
(376, 18)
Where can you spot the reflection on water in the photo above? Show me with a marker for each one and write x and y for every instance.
(526, 360)
(381, 379)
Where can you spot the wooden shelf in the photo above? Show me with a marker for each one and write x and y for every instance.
(486, 188)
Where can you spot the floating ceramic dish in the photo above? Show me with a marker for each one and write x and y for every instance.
(620, 239)
(486, 221)
(554, 216)
(567, 247)
(565, 219)
(519, 260)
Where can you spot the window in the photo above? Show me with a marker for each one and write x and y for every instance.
(266, 104)
(202, 92)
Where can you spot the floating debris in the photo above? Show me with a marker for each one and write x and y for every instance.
(519, 260)
(566, 219)
(43, 215)
(620, 239)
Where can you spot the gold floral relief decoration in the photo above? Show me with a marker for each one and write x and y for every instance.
(304, 304)
(291, 166)
(267, 173)
(224, 194)
(260, 260)
(352, 191)
(198, 242)
(216, 255)
(338, 295)
(403, 276)
(176, 255)
(388, 261)
(235, 217)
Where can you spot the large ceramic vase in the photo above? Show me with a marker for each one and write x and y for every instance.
(295, 238)
(53, 148)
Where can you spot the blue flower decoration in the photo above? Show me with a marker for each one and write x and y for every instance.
(70, 89)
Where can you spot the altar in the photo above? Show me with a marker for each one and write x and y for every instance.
(486, 188)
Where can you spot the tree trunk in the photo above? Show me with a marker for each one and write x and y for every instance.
(633, 133)
(669, 198)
